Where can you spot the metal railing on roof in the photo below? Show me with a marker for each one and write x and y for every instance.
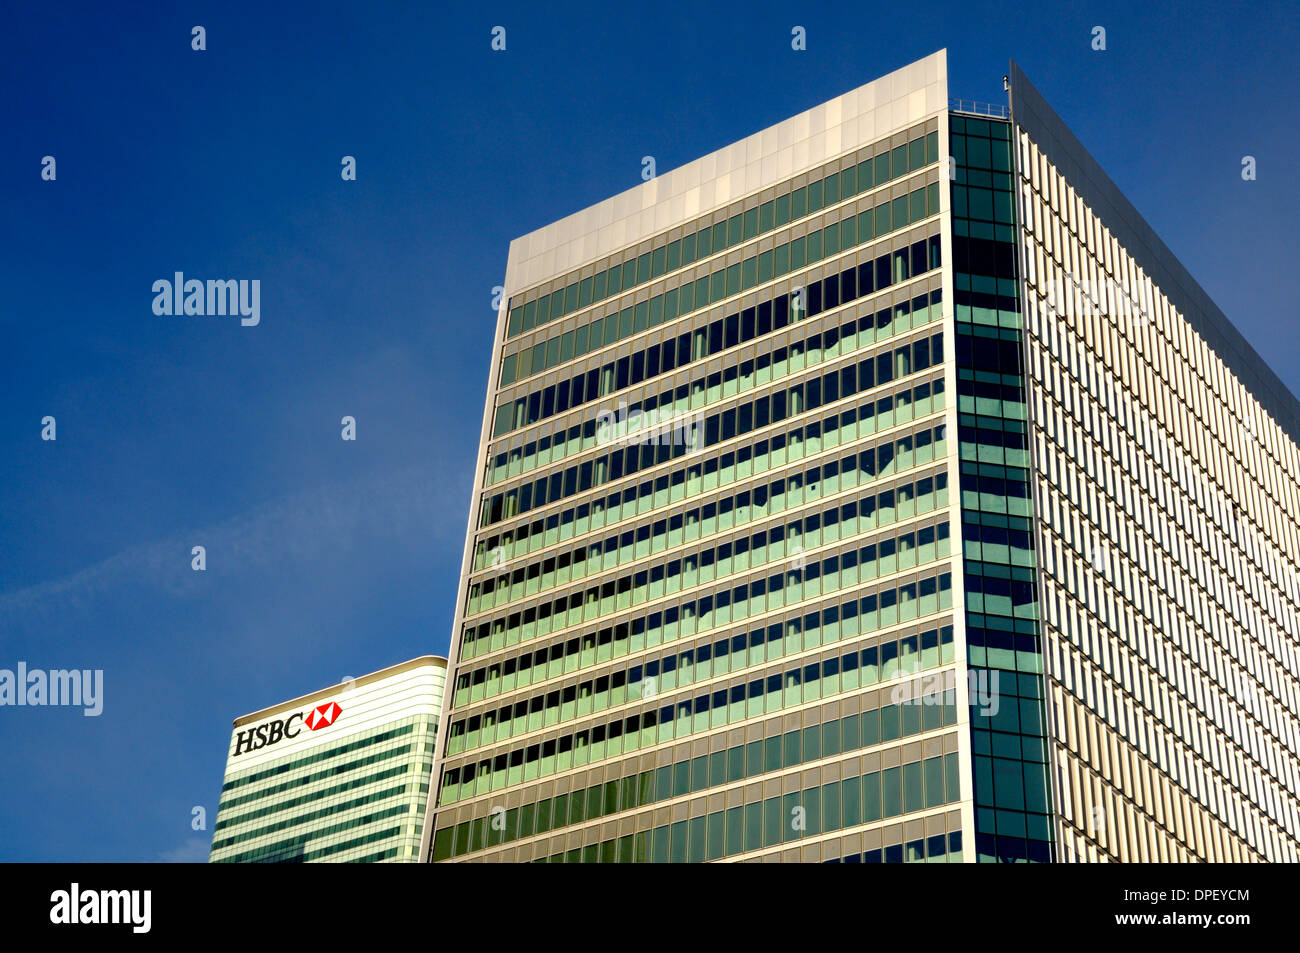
(973, 108)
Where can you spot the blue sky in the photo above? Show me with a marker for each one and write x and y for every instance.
(329, 558)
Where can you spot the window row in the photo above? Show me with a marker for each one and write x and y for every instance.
(846, 518)
(803, 683)
(294, 849)
(710, 239)
(884, 660)
(754, 503)
(657, 412)
(997, 490)
(300, 818)
(569, 566)
(728, 280)
(822, 809)
(285, 767)
(991, 395)
(747, 324)
(759, 594)
(801, 398)
(921, 447)
(1013, 784)
(936, 849)
(691, 776)
(756, 596)
(378, 778)
(767, 499)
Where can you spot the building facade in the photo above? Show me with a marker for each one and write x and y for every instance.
(1166, 462)
(340, 775)
(833, 504)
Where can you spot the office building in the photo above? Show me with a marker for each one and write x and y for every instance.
(878, 488)
(340, 775)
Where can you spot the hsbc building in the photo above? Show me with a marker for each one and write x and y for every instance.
(339, 775)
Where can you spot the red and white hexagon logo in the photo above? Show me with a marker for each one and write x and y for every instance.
(322, 716)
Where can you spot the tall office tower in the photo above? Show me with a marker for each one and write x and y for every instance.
(1165, 490)
(875, 489)
(339, 775)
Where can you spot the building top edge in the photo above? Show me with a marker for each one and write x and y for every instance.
(1031, 112)
(423, 661)
(863, 115)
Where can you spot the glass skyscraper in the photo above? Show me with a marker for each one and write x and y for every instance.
(875, 489)
(338, 775)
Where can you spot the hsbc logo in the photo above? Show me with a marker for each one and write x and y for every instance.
(322, 716)
(273, 732)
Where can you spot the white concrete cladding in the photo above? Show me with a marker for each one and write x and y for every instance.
(364, 705)
(860, 117)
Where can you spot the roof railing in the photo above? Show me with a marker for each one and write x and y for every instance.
(973, 108)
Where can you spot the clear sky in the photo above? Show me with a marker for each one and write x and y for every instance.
(328, 558)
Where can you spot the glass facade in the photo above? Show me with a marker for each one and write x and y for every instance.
(1167, 529)
(340, 776)
(765, 559)
(726, 631)
(1004, 651)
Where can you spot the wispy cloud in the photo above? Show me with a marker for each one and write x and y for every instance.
(296, 528)
(192, 851)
